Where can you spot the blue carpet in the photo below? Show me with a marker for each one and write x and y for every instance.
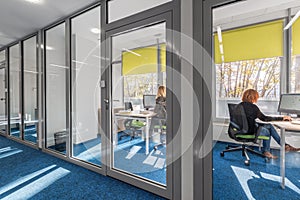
(151, 166)
(129, 156)
(233, 180)
(27, 173)
(29, 133)
(89, 151)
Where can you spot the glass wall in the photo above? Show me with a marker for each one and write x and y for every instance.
(295, 68)
(3, 115)
(30, 89)
(15, 90)
(118, 9)
(139, 132)
(248, 52)
(86, 59)
(56, 79)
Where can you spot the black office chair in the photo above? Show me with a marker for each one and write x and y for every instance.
(160, 128)
(238, 130)
(158, 124)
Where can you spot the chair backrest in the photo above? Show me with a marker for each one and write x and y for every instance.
(238, 120)
(128, 105)
(160, 111)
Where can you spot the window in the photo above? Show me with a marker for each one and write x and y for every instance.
(249, 57)
(295, 68)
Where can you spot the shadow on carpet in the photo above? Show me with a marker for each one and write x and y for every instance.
(261, 180)
(27, 173)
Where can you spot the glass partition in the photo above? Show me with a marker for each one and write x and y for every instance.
(3, 115)
(138, 116)
(30, 90)
(86, 59)
(118, 9)
(56, 79)
(248, 52)
(15, 90)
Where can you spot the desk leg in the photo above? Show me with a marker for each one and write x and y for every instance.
(115, 132)
(147, 135)
(282, 157)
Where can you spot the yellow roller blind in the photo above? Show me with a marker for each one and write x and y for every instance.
(143, 60)
(296, 37)
(163, 57)
(253, 42)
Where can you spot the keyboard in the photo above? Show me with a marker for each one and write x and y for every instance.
(295, 121)
(145, 112)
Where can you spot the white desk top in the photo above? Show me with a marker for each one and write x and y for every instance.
(133, 114)
(288, 126)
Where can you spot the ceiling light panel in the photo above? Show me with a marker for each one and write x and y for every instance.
(35, 1)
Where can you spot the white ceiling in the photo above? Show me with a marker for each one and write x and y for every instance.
(19, 18)
(252, 11)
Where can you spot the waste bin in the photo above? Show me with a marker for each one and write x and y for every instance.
(60, 139)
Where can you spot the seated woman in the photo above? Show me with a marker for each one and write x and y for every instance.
(161, 101)
(159, 109)
(249, 98)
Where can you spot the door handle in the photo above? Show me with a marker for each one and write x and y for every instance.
(106, 101)
(3, 99)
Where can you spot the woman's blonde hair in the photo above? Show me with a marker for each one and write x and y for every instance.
(250, 95)
(161, 92)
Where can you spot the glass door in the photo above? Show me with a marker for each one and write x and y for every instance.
(138, 115)
(3, 90)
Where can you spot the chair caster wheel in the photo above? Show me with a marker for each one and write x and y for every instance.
(247, 162)
(267, 160)
(222, 154)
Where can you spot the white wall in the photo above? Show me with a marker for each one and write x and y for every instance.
(118, 86)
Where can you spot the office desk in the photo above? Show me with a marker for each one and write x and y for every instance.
(284, 126)
(146, 117)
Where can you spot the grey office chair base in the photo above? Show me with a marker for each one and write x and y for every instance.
(244, 150)
(132, 134)
(159, 145)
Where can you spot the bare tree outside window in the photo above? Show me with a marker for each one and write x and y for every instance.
(295, 75)
(135, 86)
(261, 74)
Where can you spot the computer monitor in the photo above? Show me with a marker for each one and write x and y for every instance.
(149, 101)
(289, 103)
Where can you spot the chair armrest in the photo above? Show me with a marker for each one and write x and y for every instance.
(235, 125)
(257, 133)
